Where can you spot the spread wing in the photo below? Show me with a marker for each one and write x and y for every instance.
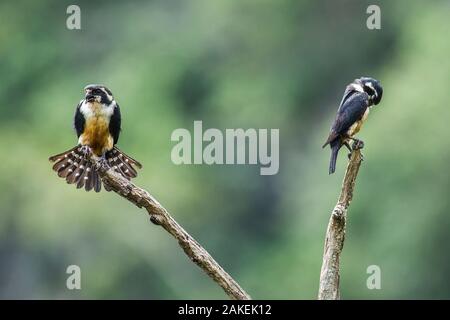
(352, 108)
(115, 123)
(79, 120)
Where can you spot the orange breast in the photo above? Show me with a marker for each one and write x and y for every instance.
(96, 135)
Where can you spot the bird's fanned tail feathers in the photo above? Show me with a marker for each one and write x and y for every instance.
(122, 163)
(75, 166)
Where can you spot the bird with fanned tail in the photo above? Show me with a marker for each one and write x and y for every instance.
(97, 123)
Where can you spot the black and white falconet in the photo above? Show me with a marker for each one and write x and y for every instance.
(359, 97)
(97, 124)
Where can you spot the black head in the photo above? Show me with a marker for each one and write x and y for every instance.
(373, 88)
(98, 93)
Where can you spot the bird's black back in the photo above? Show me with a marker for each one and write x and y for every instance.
(351, 110)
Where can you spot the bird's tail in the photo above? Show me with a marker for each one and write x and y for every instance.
(335, 146)
(122, 163)
(74, 166)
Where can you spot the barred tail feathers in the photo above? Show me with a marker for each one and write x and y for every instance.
(74, 166)
(122, 163)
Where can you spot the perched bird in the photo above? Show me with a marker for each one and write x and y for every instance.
(359, 97)
(97, 123)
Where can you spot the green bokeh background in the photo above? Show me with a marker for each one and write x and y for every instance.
(232, 64)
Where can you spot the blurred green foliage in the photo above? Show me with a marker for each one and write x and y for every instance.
(251, 64)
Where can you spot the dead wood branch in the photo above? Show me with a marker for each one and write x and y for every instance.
(160, 216)
(334, 239)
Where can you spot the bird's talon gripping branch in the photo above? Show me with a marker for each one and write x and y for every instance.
(357, 144)
(85, 151)
(348, 146)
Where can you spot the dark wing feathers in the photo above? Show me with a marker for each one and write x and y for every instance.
(349, 90)
(79, 120)
(352, 109)
(115, 123)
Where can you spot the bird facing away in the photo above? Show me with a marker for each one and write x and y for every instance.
(359, 97)
(97, 123)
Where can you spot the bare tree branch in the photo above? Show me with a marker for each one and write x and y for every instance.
(334, 240)
(160, 216)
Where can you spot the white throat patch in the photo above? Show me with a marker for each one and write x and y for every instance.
(95, 109)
